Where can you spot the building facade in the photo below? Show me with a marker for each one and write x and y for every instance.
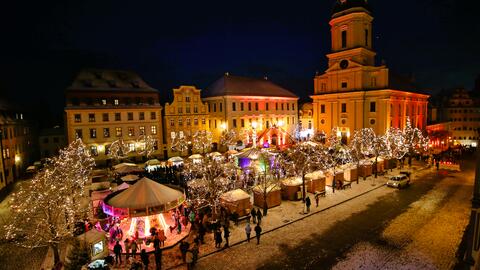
(305, 115)
(354, 93)
(17, 145)
(184, 116)
(458, 113)
(50, 141)
(257, 109)
(105, 106)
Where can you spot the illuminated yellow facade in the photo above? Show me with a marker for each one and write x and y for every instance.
(103, 106)
(249, 106)
(186, 114)
(354, 93)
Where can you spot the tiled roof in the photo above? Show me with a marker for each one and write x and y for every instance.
(229, 85)
(109, 80)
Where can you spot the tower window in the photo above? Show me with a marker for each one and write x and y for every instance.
(373, 106)
(344, 38)
(322, 108)
(344, 107)
(344, 85)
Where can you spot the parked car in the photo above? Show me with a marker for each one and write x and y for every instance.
(398, 181)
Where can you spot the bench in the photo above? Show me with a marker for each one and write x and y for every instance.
(347, 184)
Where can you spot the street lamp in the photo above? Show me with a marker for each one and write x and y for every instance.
(223, 126)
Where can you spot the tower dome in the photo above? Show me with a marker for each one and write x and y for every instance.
(342, 7)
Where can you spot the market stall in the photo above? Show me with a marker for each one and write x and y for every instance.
(350, 172)
(237, 201)
(339, 177)
(365, 168)
(274, 196)
(291, 187)
(315, 181)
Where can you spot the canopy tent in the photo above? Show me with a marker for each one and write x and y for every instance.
(214, 154)
(129, 177)
(121, 165)
(250, 153)
(237, 201)
(31, 169)
(129, 170)
(121, 187)
(196, 156)
(153, 162)
(175, 159)
(146, 197)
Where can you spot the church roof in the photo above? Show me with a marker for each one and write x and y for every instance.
(229, 85)
(344, 5)
(109, 80)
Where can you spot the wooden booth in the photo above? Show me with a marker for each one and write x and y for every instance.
(339, 176)
(315, 181)
(365, 169)
(291, 187)
(274, 196)
(237, 201)
(350, 172)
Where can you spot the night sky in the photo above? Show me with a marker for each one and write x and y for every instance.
(170, 43)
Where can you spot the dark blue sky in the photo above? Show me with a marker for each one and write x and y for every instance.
(170, 43)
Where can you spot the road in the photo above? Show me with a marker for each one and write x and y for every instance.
(385, 227)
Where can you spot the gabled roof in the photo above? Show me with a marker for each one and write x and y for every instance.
(229, 85)
(109, 80)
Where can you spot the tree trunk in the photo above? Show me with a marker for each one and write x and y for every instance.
(265, 207)
(56, 253)
(376, 166)
(303, 188)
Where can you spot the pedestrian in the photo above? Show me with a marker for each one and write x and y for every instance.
(317, 198)
(258, 232)
(254, 215)
(248, 230)
(117, 249)
(156, 242)
(127, 245)
(437, 164)
(158, 258)
(201, 233)
(189, 259)
(184, 245)
(308, 203)
(226, 235)
(144, 258)
(195, 252)
(134, 247)
(218, 238)
(259, 216)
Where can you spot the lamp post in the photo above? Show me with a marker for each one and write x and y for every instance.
(254, 135)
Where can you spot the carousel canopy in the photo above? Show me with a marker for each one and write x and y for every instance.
(129, 177)
(251, 153)
(145, 193)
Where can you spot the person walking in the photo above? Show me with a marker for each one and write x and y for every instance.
(308, 203)
(156, 242)
(117, 249)
(127, 245)
(161, 237)
(189, 259)
(248, 230)
(158, 258)
(184, 245)
(195, 251)
(254, 215)
(259, 216)
(226, 235)
(317, 198)
(144, 258)
(218, 238)
(258, 232)
(134, 248)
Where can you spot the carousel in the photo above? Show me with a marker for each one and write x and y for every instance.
(141, 207)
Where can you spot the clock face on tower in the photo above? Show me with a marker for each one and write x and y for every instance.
(344, 64)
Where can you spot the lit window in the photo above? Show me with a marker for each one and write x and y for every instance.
(106, 132)
(195, 109)
(118, 132)
(203, 121)
(131, 147)
(142, 130)
(91, 117)
(180, 122)
(141, 116)
(131, 131)
(104, 102)
(78, 133)
(78, 118)
(115, 101)
(93, 133)
(153, 130)
(344, 39)
(188, 121)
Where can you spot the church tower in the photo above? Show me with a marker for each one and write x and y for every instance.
(353, 92)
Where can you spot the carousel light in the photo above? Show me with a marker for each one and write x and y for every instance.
(133, 224)
(162, 221)
(147, 226)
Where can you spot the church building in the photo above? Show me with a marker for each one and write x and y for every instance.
(354, 92)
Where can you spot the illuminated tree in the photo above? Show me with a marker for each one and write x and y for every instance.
(202, 141)
(360, 145)
(229, 137)
(118, 150)
(304, 158)
(270, 175)
(335, 154)
(179, 144)
(208, 180)
(378, 149)
(145, 145)
(414, 141)
(396, 147)
(44, 213)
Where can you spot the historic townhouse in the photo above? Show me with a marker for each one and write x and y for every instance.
(257, 109)
(103, 106)
(185, 115)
